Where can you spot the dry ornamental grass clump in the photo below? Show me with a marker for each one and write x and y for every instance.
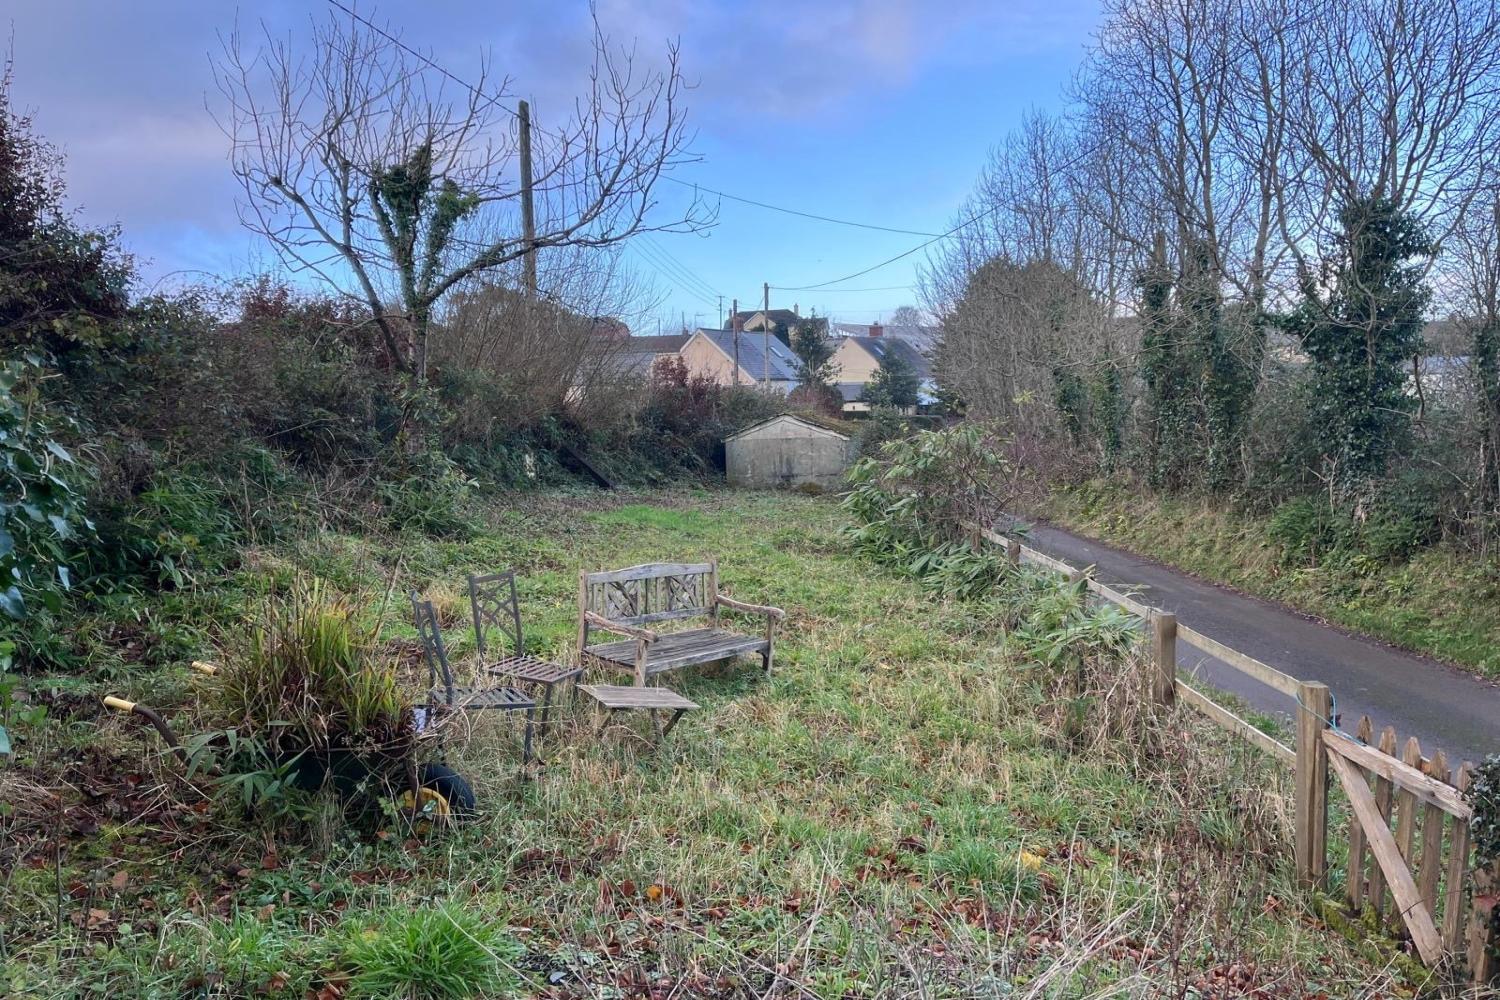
(306, 677)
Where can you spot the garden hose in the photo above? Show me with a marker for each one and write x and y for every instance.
(150, 715)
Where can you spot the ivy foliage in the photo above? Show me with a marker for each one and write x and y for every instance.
(41, 515)
(1484, 796)
(1201, 367)
(1360, 324)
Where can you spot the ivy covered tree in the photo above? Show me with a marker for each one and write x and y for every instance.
(1164, 371)
(1360, 323)
(896, 385)
(368, 167)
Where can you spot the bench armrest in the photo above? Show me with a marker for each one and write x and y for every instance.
(755, 609)
(620, 628)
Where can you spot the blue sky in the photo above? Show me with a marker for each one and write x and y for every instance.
(879, 111)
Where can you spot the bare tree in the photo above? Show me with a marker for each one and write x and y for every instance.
(368, 165)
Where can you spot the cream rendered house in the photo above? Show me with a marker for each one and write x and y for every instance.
(763, 359)
(858, 359)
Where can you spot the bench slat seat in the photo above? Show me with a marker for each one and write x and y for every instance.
(680, 649)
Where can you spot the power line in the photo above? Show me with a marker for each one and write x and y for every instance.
(676, 278)
(883, 288)
(697, 279)
(941, 236)
(682, 276)
(793, 211)
(496, 100)
(875, 267)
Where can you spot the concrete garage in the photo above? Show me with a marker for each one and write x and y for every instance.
(787, 451)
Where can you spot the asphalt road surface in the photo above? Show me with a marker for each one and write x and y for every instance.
(1440, 705)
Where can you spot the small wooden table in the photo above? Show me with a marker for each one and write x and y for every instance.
(615, 698)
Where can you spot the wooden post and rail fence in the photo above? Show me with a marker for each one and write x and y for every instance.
(1409, 858)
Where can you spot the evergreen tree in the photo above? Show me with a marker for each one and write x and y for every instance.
(1360, 328)
(895, 386)
(815, 368)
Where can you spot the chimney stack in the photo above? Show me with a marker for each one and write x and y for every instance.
(876, 329)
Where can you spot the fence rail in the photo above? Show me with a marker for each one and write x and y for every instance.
(1392, 799)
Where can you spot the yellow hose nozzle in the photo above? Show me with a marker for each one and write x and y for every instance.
(204, 667)
(118, 704)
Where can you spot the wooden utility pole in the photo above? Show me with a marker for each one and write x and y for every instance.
(528, 213)
(765, 334)
(721, 312)
(734, 321)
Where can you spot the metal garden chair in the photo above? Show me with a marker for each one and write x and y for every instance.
(502, 648)
(452, 697)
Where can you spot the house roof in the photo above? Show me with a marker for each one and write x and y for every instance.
(666, 344)
(789, 418)
(883, 347)
(781, 367)
(923, 338)
(786, 316)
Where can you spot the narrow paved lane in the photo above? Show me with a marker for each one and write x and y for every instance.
(1443, 707)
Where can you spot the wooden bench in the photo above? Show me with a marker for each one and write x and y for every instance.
(624, 601)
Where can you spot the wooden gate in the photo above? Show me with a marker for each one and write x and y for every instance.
(1409, 849)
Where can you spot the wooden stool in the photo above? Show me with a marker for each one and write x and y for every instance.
(616, 698)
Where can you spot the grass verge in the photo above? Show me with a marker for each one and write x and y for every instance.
(1441, 602)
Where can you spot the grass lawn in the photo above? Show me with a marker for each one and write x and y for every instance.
(890, 815)
(1442, 602)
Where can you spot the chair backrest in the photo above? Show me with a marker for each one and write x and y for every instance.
(433, 649)
(652, 592)
(497, 612)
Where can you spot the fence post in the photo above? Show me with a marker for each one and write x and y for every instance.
(1314, 706)
(1013, 551)
(1164, 651)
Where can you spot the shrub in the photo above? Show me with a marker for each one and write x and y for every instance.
(1305, 528)
(305, 676)
(40, 511)
(914, 500)
(1484, 795)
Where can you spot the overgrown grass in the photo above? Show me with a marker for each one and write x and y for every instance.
(1441, 601)
(891, 815)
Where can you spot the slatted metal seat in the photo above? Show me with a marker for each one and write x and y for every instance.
(501, 643)
(450, 697)
(623, 601)
(467, 697)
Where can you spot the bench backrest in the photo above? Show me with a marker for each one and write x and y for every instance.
(653, 592)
